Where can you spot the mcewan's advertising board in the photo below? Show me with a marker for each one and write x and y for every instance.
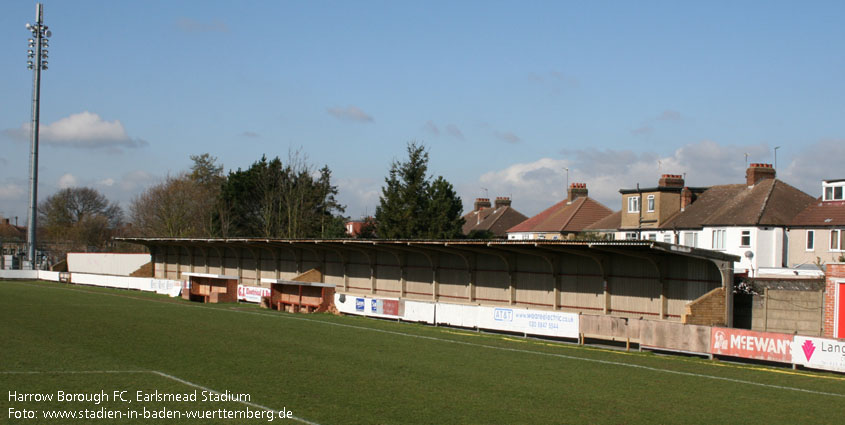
(751, 345)
(819, 353)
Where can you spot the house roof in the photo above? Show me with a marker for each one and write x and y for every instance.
(494, 220)
(565, 217)
(767, 203)
(611, 222)
(821, 214)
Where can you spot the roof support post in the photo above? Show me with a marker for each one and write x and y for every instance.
(178, 261)
(191, 259)
(240, 262)
(472, 271)
(726, 271)
(205, 259)
(403, 274)
(222, 257)
(373, 271)
(164, 262)
(435, 277)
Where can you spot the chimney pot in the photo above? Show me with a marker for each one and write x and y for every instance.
(757, 172)
(577, 190)
(503, 201)
(671, 180)
(481, 203)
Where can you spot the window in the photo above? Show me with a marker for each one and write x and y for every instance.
(719, 238)
(837, 240)
(691, 239)
(650, 203)
(652, 237)
(631, 235)
(667, 238)
(745, 239)
(811, 240)
(833, 193)
(633, 204)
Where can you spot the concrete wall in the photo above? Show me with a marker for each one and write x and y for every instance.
(788, 311)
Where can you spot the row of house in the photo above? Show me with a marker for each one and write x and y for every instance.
(767, 222)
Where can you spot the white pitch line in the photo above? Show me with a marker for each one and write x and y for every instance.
(516, 350)
(155, 372)
(246, 403)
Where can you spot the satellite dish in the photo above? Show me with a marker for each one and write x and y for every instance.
(749, 255)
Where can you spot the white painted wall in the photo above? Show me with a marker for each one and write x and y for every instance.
(105, 263)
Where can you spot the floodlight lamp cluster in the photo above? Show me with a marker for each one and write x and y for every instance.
(38, 44)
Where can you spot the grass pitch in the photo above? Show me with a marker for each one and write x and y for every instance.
(325, 369)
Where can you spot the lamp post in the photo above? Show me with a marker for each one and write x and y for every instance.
(37, 61)
(776, 157)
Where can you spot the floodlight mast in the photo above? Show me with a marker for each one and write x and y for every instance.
(37, 61)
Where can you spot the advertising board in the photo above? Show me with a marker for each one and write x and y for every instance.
(533, 322)
(252, 294)
(747, 344)
(819, 353)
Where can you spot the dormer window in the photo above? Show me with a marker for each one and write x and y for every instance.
(833, 191)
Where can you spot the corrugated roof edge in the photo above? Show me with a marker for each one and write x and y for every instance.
(657, 246)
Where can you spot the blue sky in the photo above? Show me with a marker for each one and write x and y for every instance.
(506, 95)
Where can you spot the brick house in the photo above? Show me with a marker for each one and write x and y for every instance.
(748, 219)
(496, 219)
(817, 234)
(565, 219)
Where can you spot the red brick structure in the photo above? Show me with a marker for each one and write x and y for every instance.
(835, 274)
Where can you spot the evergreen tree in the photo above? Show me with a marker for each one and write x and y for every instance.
(412, 206)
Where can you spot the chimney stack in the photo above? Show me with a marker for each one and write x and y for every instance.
(577, 190)
(481, 203)
(686, 198)
(757, 172)
(671, 180)
(502, 201)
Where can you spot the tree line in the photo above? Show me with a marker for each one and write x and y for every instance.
(273, 198)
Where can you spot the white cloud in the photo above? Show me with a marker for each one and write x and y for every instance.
(135, 181)
(361, 196)
(108, 182)
(83, 130)
(539, 184)
(193, 26)
(350, 113)
(67, 180)
(10, 191)
(816, 162)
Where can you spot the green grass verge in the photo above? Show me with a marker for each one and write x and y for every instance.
(349, 370)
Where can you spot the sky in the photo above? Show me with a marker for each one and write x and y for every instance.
(506, 95)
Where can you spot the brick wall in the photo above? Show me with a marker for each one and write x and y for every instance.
(833, 272)
(708, 310)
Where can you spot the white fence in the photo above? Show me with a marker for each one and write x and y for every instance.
(161, 286)
(115, 264)
(520, 320)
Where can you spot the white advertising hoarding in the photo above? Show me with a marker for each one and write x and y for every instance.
(252, 294)
(533, 322)
(819, 353)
